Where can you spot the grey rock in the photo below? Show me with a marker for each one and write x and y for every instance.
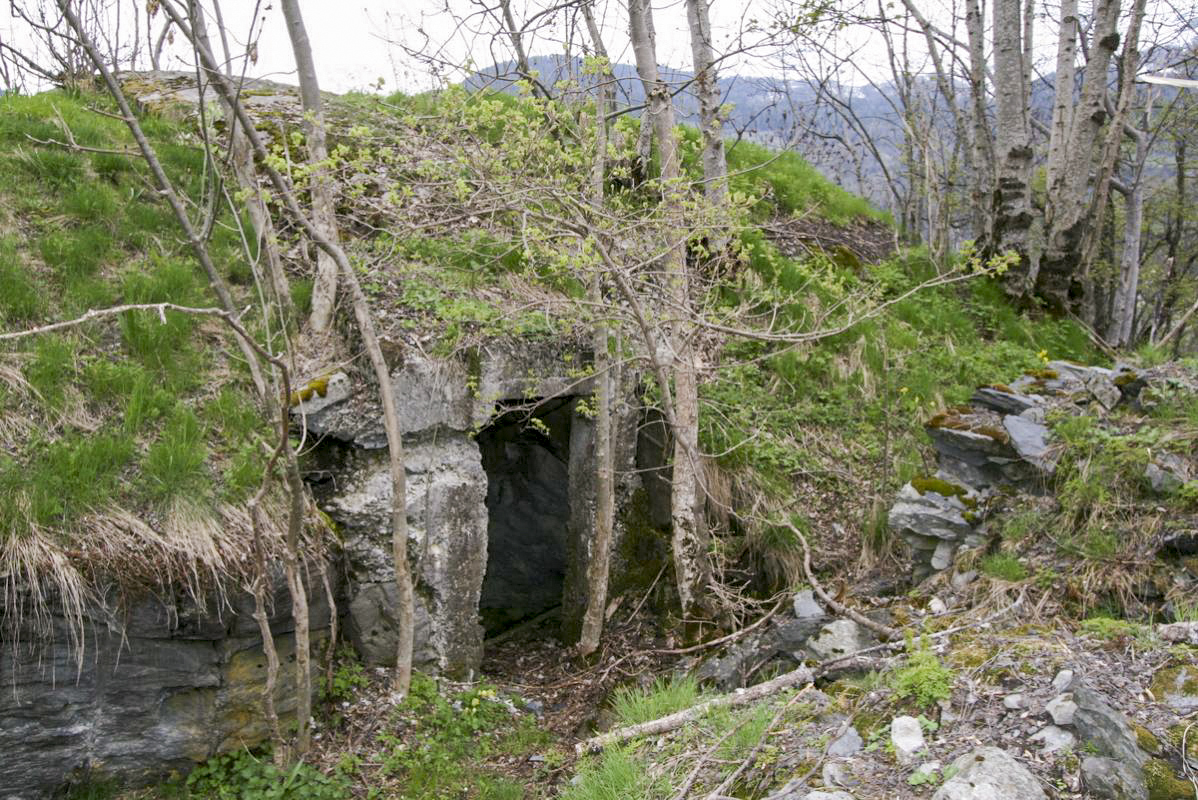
(1112, 779)
(1179, 632)
(1062, 709)
(907, 737)
(942, 556)
(1104, 390)
(960, 580)
(936, 606)
(1053, 738)
(1063, 681)
(847, 744)
(1098, 723)
(1167, 473)
(989, 773)
(1030, 440)
(929, 514)
(1177, 685)
(838, 638)
(1014, 702)
(826, 795)
(1003, 402)
(805, 605)
(836, 773)
(159, 688)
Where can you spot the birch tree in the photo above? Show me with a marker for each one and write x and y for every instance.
(689, 535)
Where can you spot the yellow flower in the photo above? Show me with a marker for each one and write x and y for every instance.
(1043, 355)
(903, 390)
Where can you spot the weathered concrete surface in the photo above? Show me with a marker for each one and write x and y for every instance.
(161, 687)
(508, 529)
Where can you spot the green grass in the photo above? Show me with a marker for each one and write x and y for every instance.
(617, 775)
(633, 704)
(132, 412)
(1003, 566)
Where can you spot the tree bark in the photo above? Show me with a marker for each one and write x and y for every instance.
(1069, 202)
(1108, 160)
(324, 286)
(983, 182)
(715, 160)
(1062, 103)
(689, 535)
(1123, 310)
(605, 495)
(1013, 208)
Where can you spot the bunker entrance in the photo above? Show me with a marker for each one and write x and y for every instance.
(526, 455)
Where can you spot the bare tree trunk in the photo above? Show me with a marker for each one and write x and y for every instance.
(1109, 154)
(1069, 202)
(983, 183)
(370, 342)
(644, 141)
(605, 492)
(1123, 311)
(324, 287)
(715, 161)
(1013, 212)
(1062, 104)
(689, 531)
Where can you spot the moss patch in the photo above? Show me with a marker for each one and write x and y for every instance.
(1163, 784)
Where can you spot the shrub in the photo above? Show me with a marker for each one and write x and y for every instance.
(245, 776)
(924, 678)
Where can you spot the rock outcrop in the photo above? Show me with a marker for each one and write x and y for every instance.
(163, 686)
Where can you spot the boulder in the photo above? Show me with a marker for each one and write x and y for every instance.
(907, 737)
(1053, 738)
(1097, 723)
(1004, 402)
(1113, 780)
(805, 605)
(841, 637)
(1061, 708)
(989, 773)
(847, 744)
(1179, 632)
(1030, 440)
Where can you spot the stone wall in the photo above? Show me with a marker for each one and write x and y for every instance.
(160, 686)
(443, 405)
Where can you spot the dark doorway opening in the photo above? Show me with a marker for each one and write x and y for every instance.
(526, 455)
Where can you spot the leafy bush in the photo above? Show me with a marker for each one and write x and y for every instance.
(245, 776)
(924, 679)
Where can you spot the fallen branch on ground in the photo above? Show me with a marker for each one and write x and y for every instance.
(885, 631)
(743, 697)
(738, 698)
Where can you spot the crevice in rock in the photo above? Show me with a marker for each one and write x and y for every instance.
(526, 455)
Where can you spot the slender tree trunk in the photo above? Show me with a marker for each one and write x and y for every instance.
(1123, 312)
(1109, 155)
(715, 160)
(983, 183)
(403, 573)
(320, 181)
(605, 489)
(1062, 103)
(689, 535)
(1070, 201)
(1013, 212)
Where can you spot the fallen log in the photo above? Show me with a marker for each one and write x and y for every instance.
(740, 697)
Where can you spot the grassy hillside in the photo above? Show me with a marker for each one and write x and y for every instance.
(130, 444)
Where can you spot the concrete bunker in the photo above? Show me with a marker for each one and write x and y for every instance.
(526, 457)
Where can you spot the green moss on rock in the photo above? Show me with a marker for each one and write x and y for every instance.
(1163, 784)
